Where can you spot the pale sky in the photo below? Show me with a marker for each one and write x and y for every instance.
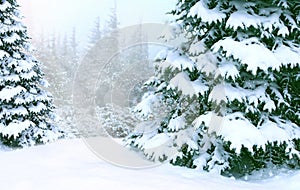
(60, 16)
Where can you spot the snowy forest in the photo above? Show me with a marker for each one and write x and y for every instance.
(212, 102)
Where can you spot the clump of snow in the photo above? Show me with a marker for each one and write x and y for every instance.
(176, 123)
(206, 63)
(22, 65)
(37, 108)
(161, 55)
(14, 128)
(197, 47)
(242, 19)
(238, 130)
(22, 111)
(263, 59)
(11, 78)
(3, 54)
(201, 10)
(227, 70)
(176, 61)
(5, 5)
(288, 55)
(11, 39)
(172, 31)
(145, 107)
(227, 93)
(159, 148)
(9, 92)
(28, 75)
(156, 141)
(184, 84)
(272, 132)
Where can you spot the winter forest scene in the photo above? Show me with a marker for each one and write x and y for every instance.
(129, 94)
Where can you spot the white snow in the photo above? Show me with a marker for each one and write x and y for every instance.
(242, 19)
(269, 106)
(161, 55)
(71, 165)
(227, 93)
(5, 5)
(11, 78)
(23, 66)
(144, 108)
(241, 132)
(197, 47)
(176, 123)
(11, 39)
(288, 55)
(157, 141)
(183, 137)
(263, 59)
(206, 62)
(37, 108)
(28, 75)
(227, 70)
(176, 61)
(184, 84)
(3, 53)
(9, 92)
(207, 15)
(9, 112)
(14, 128)
(272, 132)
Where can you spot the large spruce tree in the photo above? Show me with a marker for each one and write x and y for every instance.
(25, 108)
(227, 98)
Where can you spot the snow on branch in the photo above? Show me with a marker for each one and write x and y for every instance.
(175, 60)
(263, 58)
(201, 10)
(183, 83)
(15, 128)
(238, 130)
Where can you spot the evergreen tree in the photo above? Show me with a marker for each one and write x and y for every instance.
(26, 109)
(125, 83)
(85, 92)
(96, 33)
(55, 62)
(74, 50)
(230, 91)
(60, 58)
(100, 56)
(136, 61)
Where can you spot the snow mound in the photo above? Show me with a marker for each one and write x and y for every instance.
(238, 130)
(70, 164)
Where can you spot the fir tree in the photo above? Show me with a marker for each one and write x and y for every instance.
(96, 33)
(88, 74)
(60, 59)
(231, 89)
(26, 109)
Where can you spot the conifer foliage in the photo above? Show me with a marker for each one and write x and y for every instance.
(25, 108)
(230, 91)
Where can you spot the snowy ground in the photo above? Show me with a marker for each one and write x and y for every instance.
(71, 165)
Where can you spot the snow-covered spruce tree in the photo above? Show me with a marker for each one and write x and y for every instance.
(231, 88)
(96, 33)
(116, 116)
(25, 109)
